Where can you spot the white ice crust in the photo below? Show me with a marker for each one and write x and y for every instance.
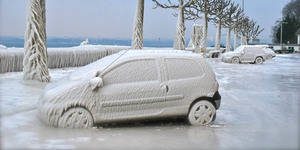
(12, 58)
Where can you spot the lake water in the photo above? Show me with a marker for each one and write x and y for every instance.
(69, 42)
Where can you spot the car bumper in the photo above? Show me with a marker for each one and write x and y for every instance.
(226, 59)
(217, 99)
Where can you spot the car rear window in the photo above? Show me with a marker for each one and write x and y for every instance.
(182, 68)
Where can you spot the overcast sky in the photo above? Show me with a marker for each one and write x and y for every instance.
(114, 18)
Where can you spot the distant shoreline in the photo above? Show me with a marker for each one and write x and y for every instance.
(53, 42)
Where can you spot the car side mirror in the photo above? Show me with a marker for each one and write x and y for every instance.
(96, 82)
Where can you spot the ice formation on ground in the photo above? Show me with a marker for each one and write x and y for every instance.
(132, 89)
(35, 55)
(137, 37)
(12, 58)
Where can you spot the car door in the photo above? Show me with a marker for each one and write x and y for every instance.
(247, 55)
(183, 79)
(131, 90)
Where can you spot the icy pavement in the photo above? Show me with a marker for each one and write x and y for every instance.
(259, 110)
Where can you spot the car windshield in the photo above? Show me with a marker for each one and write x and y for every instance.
(239, 49)
(91, 69)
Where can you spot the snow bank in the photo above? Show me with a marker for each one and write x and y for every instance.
(11, 60)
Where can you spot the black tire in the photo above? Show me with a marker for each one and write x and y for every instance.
(235, 60)
(259, 60)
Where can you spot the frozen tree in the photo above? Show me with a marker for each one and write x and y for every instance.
(232, 13)
(245, 30)
(254, 32)
(197, 35)
(181, 5)
(195, 11)
(137, 38)
(219, 19)
(237, 29)
(35, 56)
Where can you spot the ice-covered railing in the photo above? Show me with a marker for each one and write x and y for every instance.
(11, 59)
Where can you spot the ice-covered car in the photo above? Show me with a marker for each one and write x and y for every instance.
(246, 54)
(270, 53)
(134, 85)
(212, 52)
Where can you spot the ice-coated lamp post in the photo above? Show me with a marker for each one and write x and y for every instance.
(281, 33)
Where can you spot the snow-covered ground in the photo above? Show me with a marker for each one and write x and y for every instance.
(260, 110)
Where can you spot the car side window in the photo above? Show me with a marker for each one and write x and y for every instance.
(182, 68)
(132, 71)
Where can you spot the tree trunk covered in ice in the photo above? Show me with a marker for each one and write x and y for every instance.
(204, 34)
(228, 41)
(181, 6)
(243, 40)
(179, 42)
(236, 36)
(218, 37)
(35, 56)
(196, 38)
(137, 38)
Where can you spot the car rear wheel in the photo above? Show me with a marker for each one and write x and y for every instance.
(259, 60)
(201, 113)
(235, 60)
(76, 118)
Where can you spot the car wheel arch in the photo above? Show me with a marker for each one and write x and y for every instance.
(77, 106)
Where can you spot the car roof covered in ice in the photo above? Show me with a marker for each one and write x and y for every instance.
(126, 55)
(157, 53)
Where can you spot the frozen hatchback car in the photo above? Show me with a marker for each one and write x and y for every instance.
(133, 85)
(247, 54)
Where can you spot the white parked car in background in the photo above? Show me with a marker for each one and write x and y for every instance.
(248, 54)
(134, 85)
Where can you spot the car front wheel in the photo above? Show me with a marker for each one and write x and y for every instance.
(259, 60)
(235, 60)
(201, 113)
(76, 118)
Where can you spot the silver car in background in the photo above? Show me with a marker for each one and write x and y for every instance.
(248, 54)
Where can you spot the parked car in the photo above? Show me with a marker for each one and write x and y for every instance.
(270, 53)
(134, 85)
(285, 50)
(247, 54)
(214, 53)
